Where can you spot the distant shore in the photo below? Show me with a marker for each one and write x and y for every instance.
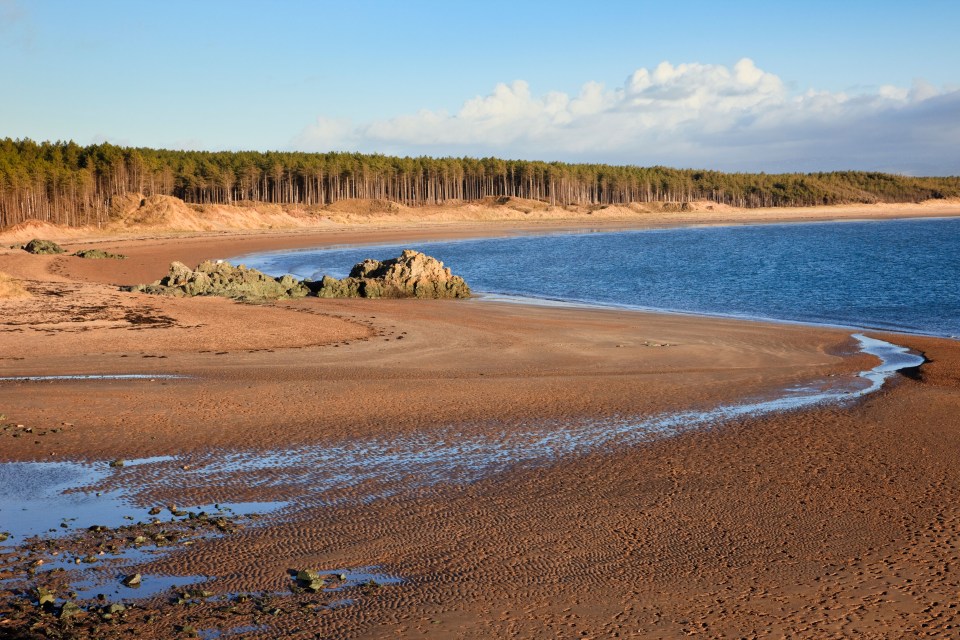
(165, 216)
(830, 521)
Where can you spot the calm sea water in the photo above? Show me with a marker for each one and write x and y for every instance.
(899, 275)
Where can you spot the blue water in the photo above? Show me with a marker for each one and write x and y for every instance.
(899, 275)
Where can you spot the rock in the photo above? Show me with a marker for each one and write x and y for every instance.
(97, 254)
(307, 575)
(45, 596)
(69, 609)
(117, 463)
(310, 580)
(412, 275)
(223, 279)
(43, 247)
(133, 580)
(179, 275)
(3, 536)
(112, 610)
(333, 288)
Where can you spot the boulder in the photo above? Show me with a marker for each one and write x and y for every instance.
(43, 247)
(412, 275)
(223, 279)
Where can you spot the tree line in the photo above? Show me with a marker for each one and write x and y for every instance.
(65, 183)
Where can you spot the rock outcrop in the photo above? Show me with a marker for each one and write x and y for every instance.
(43, 247)
(223, 279)
(412, 275)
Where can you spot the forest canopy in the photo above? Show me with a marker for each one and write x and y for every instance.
(65, 183)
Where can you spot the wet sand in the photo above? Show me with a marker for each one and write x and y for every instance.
(827, 523)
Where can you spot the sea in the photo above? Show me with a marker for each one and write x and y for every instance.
(897, 275)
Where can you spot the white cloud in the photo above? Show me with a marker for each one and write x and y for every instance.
(704, 115)
(330, 133)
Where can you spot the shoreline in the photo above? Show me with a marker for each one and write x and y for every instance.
(235, 245)
(577, 304)
(494, 296)
(791, 521)
(452, 221)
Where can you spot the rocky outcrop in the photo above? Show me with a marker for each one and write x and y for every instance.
(223, 279)
(412, 275)
(43, 247)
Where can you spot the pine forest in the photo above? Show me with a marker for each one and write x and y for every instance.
(65, 183)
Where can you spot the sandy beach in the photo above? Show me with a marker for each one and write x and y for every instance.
(834, 522)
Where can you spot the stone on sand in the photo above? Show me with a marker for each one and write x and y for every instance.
(43, 247)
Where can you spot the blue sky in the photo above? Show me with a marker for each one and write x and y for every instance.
(825, 85)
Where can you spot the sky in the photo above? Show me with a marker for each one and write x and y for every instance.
(734, 86)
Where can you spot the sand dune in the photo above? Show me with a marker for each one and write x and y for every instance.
(133, 215)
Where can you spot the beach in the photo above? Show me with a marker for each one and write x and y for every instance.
(830, 522)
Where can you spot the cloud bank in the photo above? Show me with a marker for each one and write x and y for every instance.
(687, 115)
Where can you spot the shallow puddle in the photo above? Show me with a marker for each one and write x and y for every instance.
(213, 634)
(52, 499)
(91, 586)
(355, 578)
(95, 376)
